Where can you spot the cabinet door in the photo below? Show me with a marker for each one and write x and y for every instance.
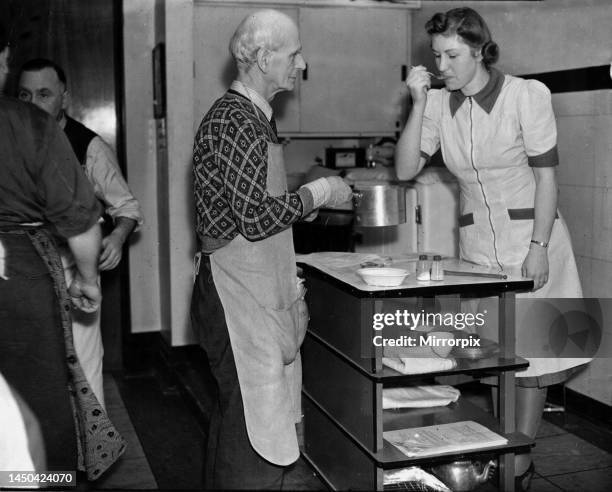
(214, 67)
(355, 58)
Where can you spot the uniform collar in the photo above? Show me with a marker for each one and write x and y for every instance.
(485, 98)
(257, 99)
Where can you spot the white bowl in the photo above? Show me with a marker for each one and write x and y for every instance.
(383, 277)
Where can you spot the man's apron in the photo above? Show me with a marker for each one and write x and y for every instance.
(266, 318)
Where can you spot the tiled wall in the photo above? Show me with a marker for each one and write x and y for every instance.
(584, 122)
(554, 35)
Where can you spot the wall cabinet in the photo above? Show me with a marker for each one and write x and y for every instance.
(353, 83)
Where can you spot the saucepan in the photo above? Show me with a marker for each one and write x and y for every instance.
(379, 204)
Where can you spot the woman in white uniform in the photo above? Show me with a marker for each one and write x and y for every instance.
(498, 136)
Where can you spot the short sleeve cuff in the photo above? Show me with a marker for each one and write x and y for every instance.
(549, 158)
(81, 219)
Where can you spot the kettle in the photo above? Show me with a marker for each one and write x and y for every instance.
(464, 475)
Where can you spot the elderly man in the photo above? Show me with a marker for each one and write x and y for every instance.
(247, 302)
(43, 83)
(42, 187)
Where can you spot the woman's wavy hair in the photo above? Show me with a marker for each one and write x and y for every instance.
(470, 26)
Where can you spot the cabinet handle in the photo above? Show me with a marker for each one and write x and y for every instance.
(404, 73)
(305, 73)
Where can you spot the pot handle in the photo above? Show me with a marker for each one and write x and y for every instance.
(357, 196)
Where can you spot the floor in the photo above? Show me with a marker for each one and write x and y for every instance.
(166, 435)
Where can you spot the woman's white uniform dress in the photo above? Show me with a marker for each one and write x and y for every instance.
(490, 141)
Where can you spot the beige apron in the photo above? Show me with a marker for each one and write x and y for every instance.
(266, 317)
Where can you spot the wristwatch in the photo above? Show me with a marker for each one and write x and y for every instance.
(540, 243)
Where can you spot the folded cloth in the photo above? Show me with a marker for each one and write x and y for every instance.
(419, 396)
(419, 365)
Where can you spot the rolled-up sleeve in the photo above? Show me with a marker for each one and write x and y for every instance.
(538, 125)
(102, 170)
(68, 199)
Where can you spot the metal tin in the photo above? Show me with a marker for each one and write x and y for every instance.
(379, 204)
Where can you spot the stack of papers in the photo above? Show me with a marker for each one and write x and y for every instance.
(445, 438)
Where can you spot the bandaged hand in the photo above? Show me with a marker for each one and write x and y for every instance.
(330, 191)
(340, 191)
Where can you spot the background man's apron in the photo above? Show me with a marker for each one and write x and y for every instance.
(266, 318)
(86, 333)
(98, 442)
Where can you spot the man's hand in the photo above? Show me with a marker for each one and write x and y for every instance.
(85, 296)
(112, 250)
(112, 245)
(340, 192)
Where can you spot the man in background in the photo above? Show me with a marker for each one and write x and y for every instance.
(43, 83)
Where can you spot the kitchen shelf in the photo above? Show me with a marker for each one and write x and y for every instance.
(390, 457)
(342, 385)
(479, 367)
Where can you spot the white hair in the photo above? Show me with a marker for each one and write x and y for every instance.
(262, 29)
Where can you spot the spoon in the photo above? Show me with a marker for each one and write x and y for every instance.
(435, 76)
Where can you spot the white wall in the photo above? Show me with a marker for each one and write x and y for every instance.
(179, 205)
(159, 166)
(556, 35)
(138, 35)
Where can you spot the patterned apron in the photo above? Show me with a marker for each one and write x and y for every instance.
(99, 443)
(266, 318)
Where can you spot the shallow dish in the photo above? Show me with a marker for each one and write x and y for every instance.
(383, 277)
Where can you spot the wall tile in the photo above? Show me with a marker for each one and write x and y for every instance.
(584, 271)
(595, 381)
(601, 278)
(576, 206)
(603, 150)
(582, 103)
(602, 224)
(576, 150)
